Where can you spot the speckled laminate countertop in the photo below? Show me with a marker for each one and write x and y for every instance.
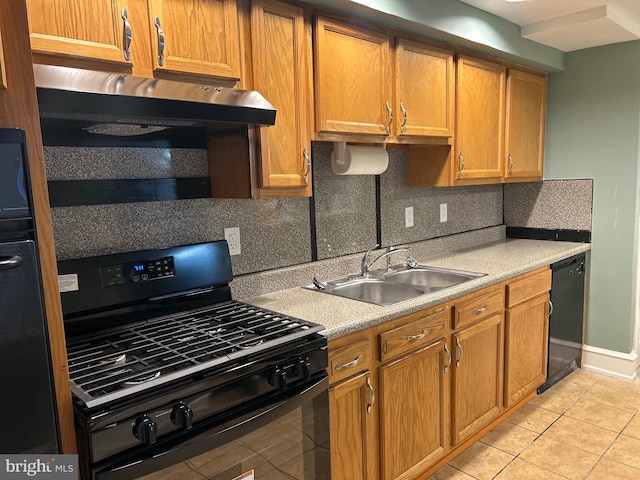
(500, 260)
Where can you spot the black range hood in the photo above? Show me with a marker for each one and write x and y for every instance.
(93, 98)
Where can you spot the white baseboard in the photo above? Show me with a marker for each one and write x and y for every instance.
(609, 362)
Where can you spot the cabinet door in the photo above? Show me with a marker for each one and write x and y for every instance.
(480, 99)
(353, 83)
(477, 377)
(352, 429)
(199, 37)
(413, 412)
(526, 336)
(91, 29)
(526, 100)
(281, 51)
(424, 90)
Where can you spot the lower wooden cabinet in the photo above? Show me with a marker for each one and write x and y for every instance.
(477, 377)
(413, 392)
(413, 412)
(352, 424)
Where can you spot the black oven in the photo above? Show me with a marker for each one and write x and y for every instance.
(172, 379)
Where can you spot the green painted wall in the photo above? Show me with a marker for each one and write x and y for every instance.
(593, 121)
(455, 22)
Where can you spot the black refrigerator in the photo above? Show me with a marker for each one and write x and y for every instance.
(29, 419)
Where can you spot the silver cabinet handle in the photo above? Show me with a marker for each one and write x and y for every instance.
(446, 349)
(550, 307)
(390, 110)
(460, 164)
(372, 395)
(126, 44)
(460, 350)
(160, 42)
(350, 364)
(404, 117)
(9, 263)
(420, 335)
(510, 169)
(478, 311)
(308, 161)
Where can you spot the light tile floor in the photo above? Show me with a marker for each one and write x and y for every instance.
(585, 427)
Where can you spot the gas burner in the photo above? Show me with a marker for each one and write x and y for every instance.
(247, 341)
(120, 360)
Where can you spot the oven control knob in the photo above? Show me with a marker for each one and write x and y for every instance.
(303, 369)
(146, 430)
(278, 378)
(182, 416)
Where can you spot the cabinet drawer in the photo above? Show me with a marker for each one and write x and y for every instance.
(528, 287)
(412, 335)
(472, 308)
(349, 360)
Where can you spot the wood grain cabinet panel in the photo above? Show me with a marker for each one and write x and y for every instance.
(200, 37)
(413, 412)
(477, 377)
(480, 103)
(352, 79)
(424, 77)
(526, 101)
(282, 64)
(352, 429)
(526, 337)
(91, 29)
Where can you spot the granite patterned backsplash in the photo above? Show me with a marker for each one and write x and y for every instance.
(551, 204)
(274, 232)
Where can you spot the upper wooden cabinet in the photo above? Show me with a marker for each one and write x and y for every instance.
(352, 79)
(275, 161)
(89, 29)
(480, 100)
(368, 82)
(197, 37)
(424, 94)
(526, 100)
(282, 64)
(194, 38)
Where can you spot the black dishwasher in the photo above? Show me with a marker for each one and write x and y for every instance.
(566, 318)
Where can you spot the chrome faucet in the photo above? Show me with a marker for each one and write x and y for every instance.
(367, 264)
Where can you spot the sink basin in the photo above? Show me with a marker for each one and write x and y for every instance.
(373, 290)
(401, 283)
(430, 277)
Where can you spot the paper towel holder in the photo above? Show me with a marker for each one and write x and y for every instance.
(340, 148)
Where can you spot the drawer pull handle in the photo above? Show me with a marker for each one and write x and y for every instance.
(404, 117)
(390, 111)
(307, 159)
(460, 164)
(478, 311)
(350, 364)
(510, 169)
(448, 352)
(160, 33)
(419, 336)
(460, 350)
(550, 308)
(372, 395)
(126, 32)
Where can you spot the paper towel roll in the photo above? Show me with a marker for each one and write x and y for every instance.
(358, 160)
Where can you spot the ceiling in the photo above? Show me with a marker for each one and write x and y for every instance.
(569, 24)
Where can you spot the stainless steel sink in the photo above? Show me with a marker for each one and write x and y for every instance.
(373, 290)
(431, 278)
(401, 283)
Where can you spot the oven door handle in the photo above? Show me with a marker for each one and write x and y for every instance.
(207, 436)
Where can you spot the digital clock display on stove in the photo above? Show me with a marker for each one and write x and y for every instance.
(136, 272)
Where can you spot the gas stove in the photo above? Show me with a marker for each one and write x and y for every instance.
(160, 356)
(137, 357)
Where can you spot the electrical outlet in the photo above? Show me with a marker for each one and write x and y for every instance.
(232, 236)
(443, 212)
(408, 217)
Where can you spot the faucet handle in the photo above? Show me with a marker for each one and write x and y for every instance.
(366, 255)
(365, 260)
